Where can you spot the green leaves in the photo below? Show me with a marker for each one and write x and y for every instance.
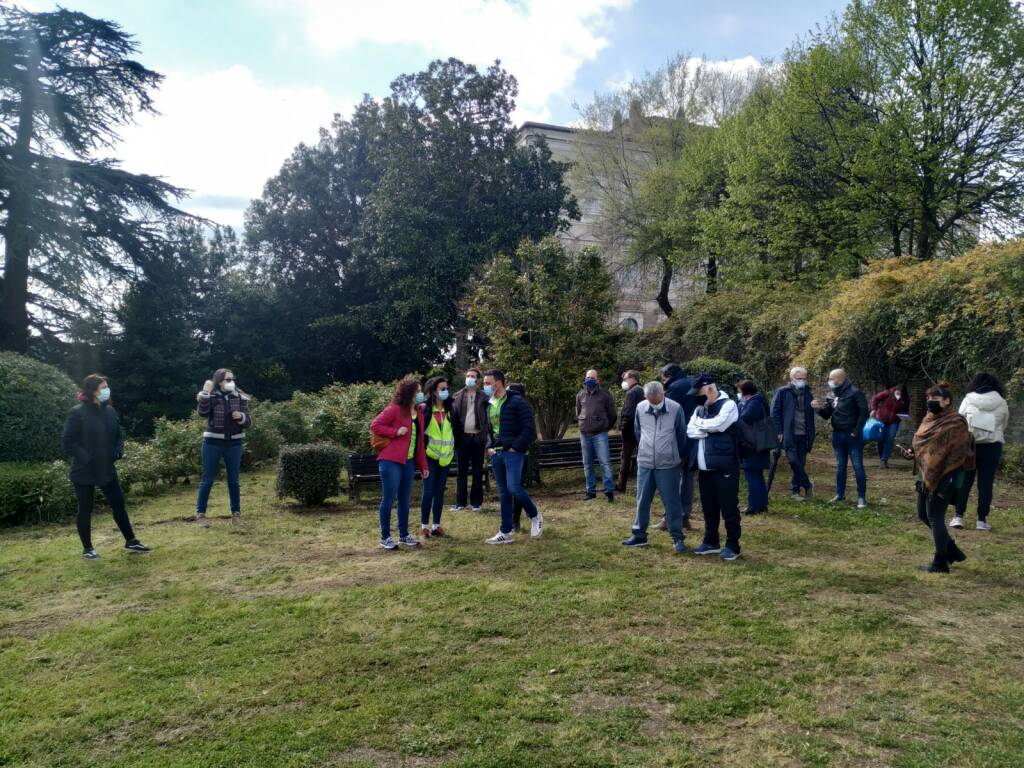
(309, 473)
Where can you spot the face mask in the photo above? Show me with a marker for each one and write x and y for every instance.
(420, 397)
(104, 394)
(702, 399)
(590, 383)
(934, 406)
(470, 382)
(229, 386)
(897, 395)
(443, 394)
(488, 390)
(625, 386)
(799, 383)
(833, 386)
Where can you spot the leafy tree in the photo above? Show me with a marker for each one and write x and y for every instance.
(546, 315)
(67, 216)
(163, 350)
(368, 238)
(627, 164)
(908, 321)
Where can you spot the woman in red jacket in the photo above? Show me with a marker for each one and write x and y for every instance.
(887, 406)
(401, 424)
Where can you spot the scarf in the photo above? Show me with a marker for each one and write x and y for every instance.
(941, 446)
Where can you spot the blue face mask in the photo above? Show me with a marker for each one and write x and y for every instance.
(590, 383)
(420, 397)
(443, 394)
(488, 390)
(104, 394)
(470, 381)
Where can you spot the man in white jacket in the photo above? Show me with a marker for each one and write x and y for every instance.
(984, 407)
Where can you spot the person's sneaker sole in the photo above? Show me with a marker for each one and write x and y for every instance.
(707, 552)
(635, 546)
(955, 523)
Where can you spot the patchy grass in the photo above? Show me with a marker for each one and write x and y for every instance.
(291, 640)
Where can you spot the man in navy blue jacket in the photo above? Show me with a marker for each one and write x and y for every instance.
(794, 426)
(512, 431)
(677, 387)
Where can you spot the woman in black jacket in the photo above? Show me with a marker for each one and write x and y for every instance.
(93, 441)
(226, 409)
(754, 409)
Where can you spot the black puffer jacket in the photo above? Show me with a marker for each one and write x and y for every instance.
(93, 440)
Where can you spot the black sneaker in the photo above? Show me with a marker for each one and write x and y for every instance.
(953, 553)
(136, 547)
(91, 554)
(610, 496)
(590, 497)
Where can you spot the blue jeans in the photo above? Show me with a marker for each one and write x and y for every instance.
(508, 476)
(592, 445)
(888, 440)
(433, 492)
(212, 454)
(396, 485)
(757, 491)
(852, 448)
(667, 482)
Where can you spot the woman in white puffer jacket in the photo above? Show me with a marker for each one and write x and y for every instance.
(987, 415)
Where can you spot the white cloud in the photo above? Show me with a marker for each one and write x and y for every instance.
(542, 42)
(222, 134)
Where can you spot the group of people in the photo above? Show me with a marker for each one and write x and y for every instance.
(681, 433)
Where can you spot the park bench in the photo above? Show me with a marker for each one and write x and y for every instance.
(567, 453)
(551, 454)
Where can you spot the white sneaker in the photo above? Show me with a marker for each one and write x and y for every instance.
(983, 526)
(862, 503)
(537, 526)
(455, 508)
(956, 522)
(500, 538)
(476, 509)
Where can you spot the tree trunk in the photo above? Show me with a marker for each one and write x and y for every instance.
(916, 389)
(666, 284)
(17, 234)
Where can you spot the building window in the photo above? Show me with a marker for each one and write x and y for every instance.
(630, 324)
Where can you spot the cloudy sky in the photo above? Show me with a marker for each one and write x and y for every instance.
(246, 80)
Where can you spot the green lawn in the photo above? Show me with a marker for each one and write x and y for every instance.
(292, 640)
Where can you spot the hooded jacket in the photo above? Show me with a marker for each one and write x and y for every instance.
(987, 416)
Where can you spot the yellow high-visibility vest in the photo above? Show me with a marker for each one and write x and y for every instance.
(441, 445)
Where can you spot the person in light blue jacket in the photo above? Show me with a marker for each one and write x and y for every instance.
(660, 427)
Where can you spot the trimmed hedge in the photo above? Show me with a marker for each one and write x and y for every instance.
(35, 493)
(1012, 465)
(309, 473)
(34, 402)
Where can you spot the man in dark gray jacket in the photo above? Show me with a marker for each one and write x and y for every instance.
(660, 429)
(595, 414)
(847, 408)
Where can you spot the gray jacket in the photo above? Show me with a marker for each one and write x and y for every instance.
(660, 434)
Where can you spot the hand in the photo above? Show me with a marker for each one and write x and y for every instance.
(511, 450)
(781, 437)
(871, 414)
(907, 453)
(815, 403)
(402, 431)
(208, 386)
(426, 473)
(491, 451)
(237, 415)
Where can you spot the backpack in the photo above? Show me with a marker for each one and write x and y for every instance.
(745, 437)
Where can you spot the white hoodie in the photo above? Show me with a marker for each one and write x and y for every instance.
(987, 416)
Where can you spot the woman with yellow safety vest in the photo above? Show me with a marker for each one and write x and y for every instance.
(440, 449)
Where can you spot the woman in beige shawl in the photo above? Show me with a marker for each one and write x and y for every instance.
(942, 448)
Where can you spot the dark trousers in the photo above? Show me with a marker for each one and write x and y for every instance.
(757, 491)
(931, 510)
(626, 463)
(796, 455)
(517, 505)
(86, 495)
(470, 455)
(988, 457)
(719, 497)
(433, 492)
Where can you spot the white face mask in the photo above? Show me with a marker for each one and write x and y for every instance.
(799, 383)
(625, 386)
(229, 386)
(104, 394)
(897, 395)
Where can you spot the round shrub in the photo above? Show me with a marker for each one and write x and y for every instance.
(309, 473)
(34, 401)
